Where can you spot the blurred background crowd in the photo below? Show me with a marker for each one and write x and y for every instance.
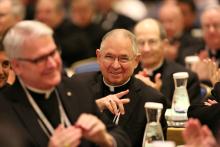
(187, 31)
(80, 24)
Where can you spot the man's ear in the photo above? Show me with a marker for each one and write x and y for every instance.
(137, 60)
(16, 66)
(98, 55)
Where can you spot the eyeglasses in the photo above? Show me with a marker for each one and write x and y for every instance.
(41, 59)
(121, 59)
(5, 64)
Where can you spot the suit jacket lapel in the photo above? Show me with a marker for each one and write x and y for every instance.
(26, 115)
(130, 107)
(96, 86)
(69, 101)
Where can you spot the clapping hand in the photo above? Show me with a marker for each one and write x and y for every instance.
(142, 75)
(196, 135)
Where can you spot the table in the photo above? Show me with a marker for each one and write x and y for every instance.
(175, 134)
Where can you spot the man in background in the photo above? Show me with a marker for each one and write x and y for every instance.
(11, 11)
(7, 76)
(154, 69)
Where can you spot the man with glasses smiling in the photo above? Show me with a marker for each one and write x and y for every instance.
(48, 107)
(119, 95)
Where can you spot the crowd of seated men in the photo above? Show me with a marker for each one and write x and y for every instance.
(135, 61)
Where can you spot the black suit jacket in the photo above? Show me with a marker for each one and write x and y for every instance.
(167, 69)
(209, 115)
(114, 20)
(76, 103)
(134, 120)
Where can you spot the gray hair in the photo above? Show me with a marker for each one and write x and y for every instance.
(21, 33)
(126, 34)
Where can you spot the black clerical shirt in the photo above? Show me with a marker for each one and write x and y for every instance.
(49, 106)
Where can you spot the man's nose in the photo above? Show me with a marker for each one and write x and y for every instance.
(116, 63)
(51, 62)
(146, 47)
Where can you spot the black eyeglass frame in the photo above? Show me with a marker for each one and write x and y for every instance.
(41, 58)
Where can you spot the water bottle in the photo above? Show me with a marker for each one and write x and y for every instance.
(180, 102)
(153, 129)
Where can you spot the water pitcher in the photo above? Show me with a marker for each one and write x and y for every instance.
(180, 102)
(153, 130)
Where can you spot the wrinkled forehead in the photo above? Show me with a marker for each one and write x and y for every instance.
(34, 45)
(117, 45)
(115, 40)
(147, 29)
(210, 14)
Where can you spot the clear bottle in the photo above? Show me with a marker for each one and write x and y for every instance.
(153, 130)
(180, 102)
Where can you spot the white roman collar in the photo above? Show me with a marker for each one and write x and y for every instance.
(39, 91)
(112, 88)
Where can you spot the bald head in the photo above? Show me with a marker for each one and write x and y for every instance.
(150, 24)
(170, 10)
(213, 10)
(210, 22)
(171, 18)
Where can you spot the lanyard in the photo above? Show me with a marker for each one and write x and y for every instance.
(44, 122)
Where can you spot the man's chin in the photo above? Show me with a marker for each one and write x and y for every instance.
(115, 82)
(54, 82)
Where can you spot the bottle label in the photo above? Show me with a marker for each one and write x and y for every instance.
(181, 99)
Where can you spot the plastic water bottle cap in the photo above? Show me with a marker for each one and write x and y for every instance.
(191, 59)
(153, 105)
(179, 75)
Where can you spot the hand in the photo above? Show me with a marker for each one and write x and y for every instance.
(215, 77)
(113, 102)
(196, 135)
(206, 69)
(203, 54)
(65, 137)
(157, 84)
(94, 130)
(210, 102)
